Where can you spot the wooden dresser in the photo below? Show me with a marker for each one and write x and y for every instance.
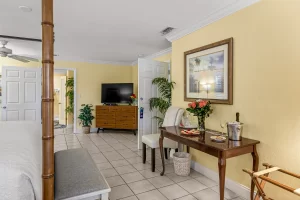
(116, 117)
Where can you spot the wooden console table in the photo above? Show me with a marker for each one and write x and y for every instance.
(222, 151)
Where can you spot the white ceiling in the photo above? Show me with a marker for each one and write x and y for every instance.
(105, 30)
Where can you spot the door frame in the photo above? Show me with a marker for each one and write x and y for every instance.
(75, 94)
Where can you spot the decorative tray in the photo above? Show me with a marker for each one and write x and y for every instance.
(218, 138)
(190, 132)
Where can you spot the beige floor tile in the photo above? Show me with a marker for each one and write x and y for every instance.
(120, 192)
(207, 194)
(132, 177)
(151, 195)
(192, 186)
(103, 166)
(99, 158)
(109, 172)
(130, 198)
(118, 163)
(142, 166)
(206, 181)
(174, 177)
(115, 181)
(149, 174)
(173, 191)
(141, 186)
(135, 160)
(161, 181)
(125, 169)
(188, 197)
(228, 193)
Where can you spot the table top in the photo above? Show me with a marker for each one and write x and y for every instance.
(174, 132)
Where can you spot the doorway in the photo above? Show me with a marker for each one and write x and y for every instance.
(64, 99)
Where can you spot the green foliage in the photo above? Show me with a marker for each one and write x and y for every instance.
(163, 102)
(85, 115)
(70, 95)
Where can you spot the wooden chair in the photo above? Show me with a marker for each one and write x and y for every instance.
(264, 176)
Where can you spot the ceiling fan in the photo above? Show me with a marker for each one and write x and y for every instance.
(6, 52)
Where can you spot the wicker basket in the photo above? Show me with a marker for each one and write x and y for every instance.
(182, 163)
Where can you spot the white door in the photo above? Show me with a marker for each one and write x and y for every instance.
(21, 94)
(147, 71)
(62, 100)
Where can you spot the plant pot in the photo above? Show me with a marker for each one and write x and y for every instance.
(86, 129)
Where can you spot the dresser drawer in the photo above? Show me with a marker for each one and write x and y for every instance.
(113, 109)
(105, 116)
(107, 121)
(126, 126)
(106, 125)
(101, 109)
(125, 118)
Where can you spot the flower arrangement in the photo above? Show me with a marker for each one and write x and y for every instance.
(133, 99)
(202, 109)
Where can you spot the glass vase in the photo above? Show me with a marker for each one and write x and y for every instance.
(201, 123)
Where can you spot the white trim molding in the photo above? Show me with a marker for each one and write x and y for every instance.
(219, 14)
(238, 188)
(155, 55)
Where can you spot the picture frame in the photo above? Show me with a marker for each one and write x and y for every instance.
(208, 73)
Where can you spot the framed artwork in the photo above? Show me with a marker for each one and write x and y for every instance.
(208, 73)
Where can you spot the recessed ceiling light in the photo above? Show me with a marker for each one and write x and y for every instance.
(25, 8)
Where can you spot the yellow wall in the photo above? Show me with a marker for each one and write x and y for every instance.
(266, 85)
(135, 79)
(89, 77)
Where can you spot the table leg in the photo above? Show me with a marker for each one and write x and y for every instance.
(222, 173)
(187, 149)
(254, 168)
(161, 146)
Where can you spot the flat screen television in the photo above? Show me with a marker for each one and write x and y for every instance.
(113, 93)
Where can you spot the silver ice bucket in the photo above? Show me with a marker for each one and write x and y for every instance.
(235, 131)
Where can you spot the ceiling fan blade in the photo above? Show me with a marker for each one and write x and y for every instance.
(18, 58)
(20, 38)
(28, 58)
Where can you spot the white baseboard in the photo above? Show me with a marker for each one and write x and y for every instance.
(70, 126)
(238, 188)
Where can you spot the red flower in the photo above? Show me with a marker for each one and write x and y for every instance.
(194, 105)
(190, 105)
(133, 95)
(202, 103)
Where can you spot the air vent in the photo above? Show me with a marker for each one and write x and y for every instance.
(167, 30)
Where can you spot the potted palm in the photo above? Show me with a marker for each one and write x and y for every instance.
(86, 117)
(163, 102)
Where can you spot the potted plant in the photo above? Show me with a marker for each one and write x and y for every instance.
(86, 117)
(163, 102)
(201, 109)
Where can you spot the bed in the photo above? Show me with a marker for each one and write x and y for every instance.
(20, 160)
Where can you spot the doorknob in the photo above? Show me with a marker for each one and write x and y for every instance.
(4, 107)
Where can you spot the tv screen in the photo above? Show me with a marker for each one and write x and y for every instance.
(116, 92)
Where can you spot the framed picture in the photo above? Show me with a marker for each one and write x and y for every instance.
(208, 73)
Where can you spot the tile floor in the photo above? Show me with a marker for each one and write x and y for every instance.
(117, 157)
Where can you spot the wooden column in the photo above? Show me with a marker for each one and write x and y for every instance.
(48, 100)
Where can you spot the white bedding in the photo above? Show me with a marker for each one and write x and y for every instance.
(20, 161)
